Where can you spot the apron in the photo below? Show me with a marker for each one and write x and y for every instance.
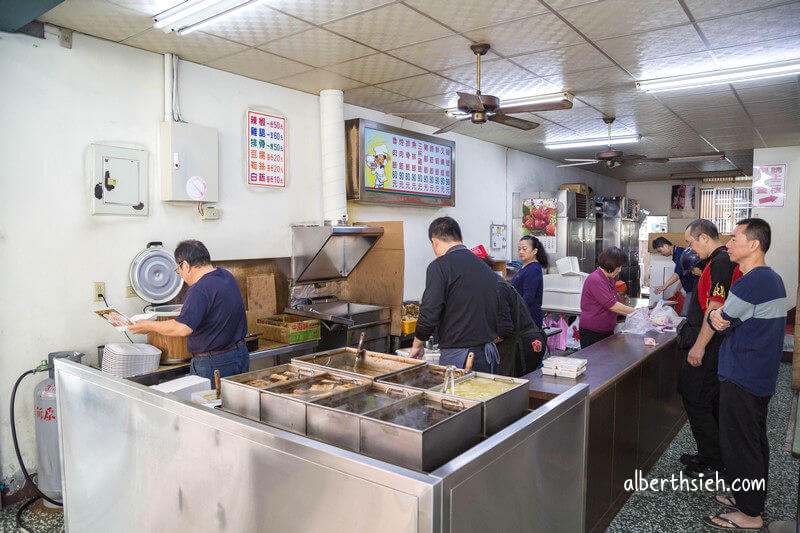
(487, 358)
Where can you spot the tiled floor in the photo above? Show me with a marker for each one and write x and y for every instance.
(36, 518)
(681, 511)
(644, 511)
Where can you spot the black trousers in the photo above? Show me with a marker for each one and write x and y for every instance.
(589, 337)
(743, 438)
(699, 389)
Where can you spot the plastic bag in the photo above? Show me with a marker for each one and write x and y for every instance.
(665, 316)
(637, 322)
(573, 335)
(559, 340)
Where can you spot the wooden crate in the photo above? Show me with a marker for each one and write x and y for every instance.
(289, 329)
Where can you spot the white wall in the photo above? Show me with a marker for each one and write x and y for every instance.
(655, 196)
(783, 252)
(55, 101)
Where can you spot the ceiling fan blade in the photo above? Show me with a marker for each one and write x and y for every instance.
(472, 101)
(415, 113)
(514, 122)
(530, 108)
(570, 159)
(579, 164)
(451, 126)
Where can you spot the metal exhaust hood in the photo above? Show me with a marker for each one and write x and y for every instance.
(327, 253)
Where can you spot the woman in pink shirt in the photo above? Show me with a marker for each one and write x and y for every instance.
(600, 304)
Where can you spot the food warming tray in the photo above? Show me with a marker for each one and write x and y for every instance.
(244, 399)
(405, 434)
(426, 377)
(502, 409)
(284, 406)
(372, 365)
(336, 419)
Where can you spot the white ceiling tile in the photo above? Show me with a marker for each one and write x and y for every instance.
(314, 81)
(746, 28)
(781, 49)
(674, 66)
(370, 97)
(439, 54)
(98, 18)
(463, 15)
(613, 18)
(492, 72)
(630, 50)
(319, 12)
(442, 100)
(539, 32)
(563, 60)
(680, 101)
(702, 9)
(255, 25)
(560, 5)
(259, 65)
(198, 46)
(389, 27)
(717, 117)
(148, 7)
(588, 80)
(765, 93)
(376, 68)
(424, 85)
(411, 106)
(317, 47)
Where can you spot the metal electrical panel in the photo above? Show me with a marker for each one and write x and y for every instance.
(119, 180)
(189, 163)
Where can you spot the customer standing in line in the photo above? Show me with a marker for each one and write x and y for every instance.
(688, 279)
(461, 300)
(530, 278)
(698, 346)
(600, 304)
(752, 321)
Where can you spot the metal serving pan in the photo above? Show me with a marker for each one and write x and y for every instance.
(244, 399)
(336, 419)
(372, 365)
(284, 406)
(426, 377)
(423, 431)
(501, 409)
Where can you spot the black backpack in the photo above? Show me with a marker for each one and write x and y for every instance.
(522, 353)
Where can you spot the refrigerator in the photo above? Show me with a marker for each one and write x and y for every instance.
(619, 220)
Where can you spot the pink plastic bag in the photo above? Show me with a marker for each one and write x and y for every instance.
(559, 340)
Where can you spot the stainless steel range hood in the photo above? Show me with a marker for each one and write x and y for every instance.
(326, 253)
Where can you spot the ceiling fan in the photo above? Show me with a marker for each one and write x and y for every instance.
(479, 108)
(614, 158)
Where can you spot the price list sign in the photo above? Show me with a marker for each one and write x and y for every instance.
(769, 185)
(398, 164)
(266, 149)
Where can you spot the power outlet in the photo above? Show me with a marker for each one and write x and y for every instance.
(130, 293)
(99, 287)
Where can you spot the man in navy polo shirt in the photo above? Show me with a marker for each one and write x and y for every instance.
(212, 316)
(752, 320)
(688, 278)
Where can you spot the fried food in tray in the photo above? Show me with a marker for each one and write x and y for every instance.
(278, 377)
(314, 388)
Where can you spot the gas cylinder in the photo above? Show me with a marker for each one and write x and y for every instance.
(48, 476)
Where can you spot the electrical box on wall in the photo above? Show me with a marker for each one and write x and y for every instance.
(189, 163)
(119, 180)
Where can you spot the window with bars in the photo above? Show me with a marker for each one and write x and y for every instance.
(725, 206)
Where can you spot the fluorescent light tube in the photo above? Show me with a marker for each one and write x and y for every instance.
(218, 16)
(604, 141)
(181, 11)
(719, 77)
(714, 156)
(540, 99)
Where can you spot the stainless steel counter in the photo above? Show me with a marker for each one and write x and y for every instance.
(134, 459)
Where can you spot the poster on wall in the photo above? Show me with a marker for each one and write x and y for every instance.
(769, 185)
(539, 220)
(683, 202)
(497, 236)
(395, 163)
(265, 149)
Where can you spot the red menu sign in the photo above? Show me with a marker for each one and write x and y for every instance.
(265, 140)
(769, 185)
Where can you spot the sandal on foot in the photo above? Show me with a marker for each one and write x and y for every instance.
(731, 525)
(731, 503)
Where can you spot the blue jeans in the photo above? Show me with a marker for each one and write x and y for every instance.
(236, 361)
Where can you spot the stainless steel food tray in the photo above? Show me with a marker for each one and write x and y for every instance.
(503, 409)
(242, 399)
(372, 365)
(420, 376)
(287, 412)
(422, 449)
(329, 421)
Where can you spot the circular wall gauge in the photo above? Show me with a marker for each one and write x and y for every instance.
(196, 188)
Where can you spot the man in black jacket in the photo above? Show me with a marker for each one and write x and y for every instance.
(460, 299)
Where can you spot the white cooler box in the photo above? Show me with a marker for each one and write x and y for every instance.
(130, 359)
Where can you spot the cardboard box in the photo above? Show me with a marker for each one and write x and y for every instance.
(289, 329)
(261, 296)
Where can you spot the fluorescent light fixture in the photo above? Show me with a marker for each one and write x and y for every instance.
(600, 141)
(713, 156)
(712, 175)
(719, 77)
(543, 99)
(192, 15)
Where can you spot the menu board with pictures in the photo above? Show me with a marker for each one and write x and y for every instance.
(265, 149)
(390, 165)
